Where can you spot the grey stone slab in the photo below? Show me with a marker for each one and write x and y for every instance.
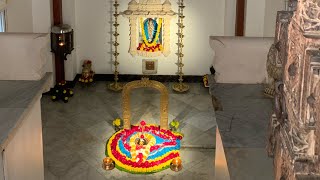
(202, 102)
(225, 120)
(8, 121)
(204, 140)
(249, 164)
(244, 119)
(95, 149)
(176, 106)
(91, 160)
(85, 119)
(49, 176)
(81, 139)
(61, 161)
(190, 132)
(57, 134)
(102, 130)
(204, 170)
(119, 175)
(18, 94)
(198, 89)
(238, 90)
(203, 120)
(16, 99)
(82, 171)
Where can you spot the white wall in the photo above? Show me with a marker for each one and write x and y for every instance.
(42, 22)
(24, 56)
(240, 59)
(230, 17)
(69, 17)
(271, 8)
(41, 14)
(91, 22)
(29, 16)
(19, 16)
(254, 21)
(93, 37)
(261, 17)
(3, 4)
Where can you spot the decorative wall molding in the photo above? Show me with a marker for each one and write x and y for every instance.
(149, 9)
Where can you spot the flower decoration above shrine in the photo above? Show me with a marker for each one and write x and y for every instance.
(150, 25)
(144, 148)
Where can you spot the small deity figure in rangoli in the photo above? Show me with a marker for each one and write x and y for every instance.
(140, 144)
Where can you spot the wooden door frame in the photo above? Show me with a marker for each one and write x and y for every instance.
(240, 17)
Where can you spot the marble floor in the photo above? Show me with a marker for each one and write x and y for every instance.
(75, 133)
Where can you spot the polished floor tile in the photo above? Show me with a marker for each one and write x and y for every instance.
(75, 133)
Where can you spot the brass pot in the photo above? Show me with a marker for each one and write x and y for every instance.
(108, 164)
(176, 165)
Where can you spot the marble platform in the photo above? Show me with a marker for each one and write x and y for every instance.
(245, 116)
(243, 125)
(75, 133)
(16, 100)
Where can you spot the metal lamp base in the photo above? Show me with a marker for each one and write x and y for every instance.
(108, 164)
(180, 87)
(108, 167)
(115, 86)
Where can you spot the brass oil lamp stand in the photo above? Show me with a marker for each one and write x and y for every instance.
(116, 86)
(180, 86)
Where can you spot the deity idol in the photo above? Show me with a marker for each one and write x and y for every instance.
(150, 35)
(151, 28)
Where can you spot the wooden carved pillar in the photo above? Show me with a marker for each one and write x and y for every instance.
(295, 131)
(57, 20)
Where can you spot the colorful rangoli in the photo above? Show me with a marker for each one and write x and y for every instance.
(143, 149)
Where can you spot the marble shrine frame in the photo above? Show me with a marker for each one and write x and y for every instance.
(149, 9)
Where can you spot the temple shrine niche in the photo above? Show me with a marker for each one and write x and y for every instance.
(149, 27)
(294, 128)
